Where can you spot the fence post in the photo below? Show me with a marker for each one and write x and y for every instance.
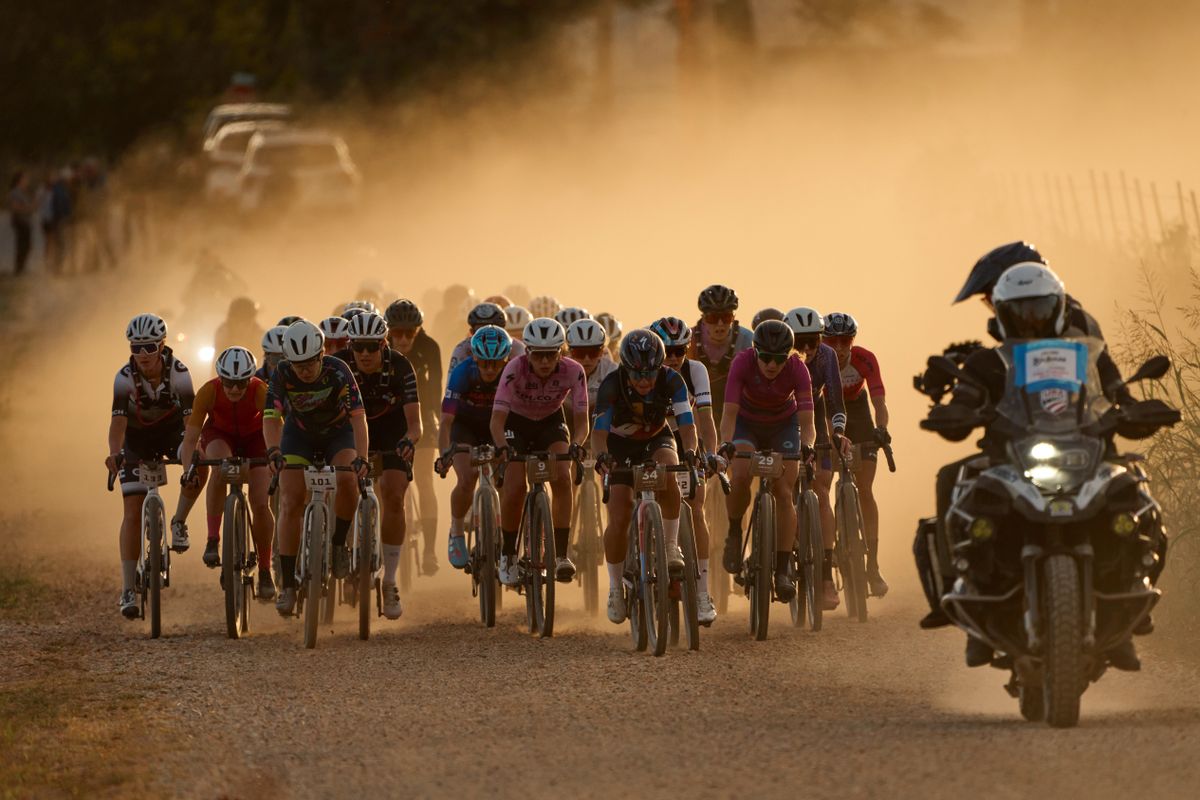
(1112, 209)
(1096, 202)
(1137, 187)
(1195, 211)
(1182, 214)
(1075, 205)
(1128, 208)
(1162, 229)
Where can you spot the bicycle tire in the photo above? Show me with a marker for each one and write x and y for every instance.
(718, 577)
(656, 582)
(809, 556)
(762, 558)
(408, 563)
(589, 546)
(858, 553)
(690, 598)
(542, 575)
(798, 605)
(633, 597)
(276, 572)
(231, 573)
(486, 562)
(314, 552)
(366, 531)
(154, 521)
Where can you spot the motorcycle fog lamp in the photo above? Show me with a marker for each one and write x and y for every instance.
(1123, 524)
(1043, 474)
(982, 529)
(1043, 451)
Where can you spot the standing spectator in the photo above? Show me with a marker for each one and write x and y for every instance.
(20, 208)
(62, 209)
(51, 233)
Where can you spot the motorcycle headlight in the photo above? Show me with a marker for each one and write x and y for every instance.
(1051, 467)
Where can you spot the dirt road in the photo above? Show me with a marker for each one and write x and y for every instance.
(435, 705)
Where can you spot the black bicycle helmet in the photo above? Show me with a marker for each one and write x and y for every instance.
(486, 314)
(404, 314)
(717, 298)
(288, 320)
(774, 336)
(991, 266)
(839, 324)
(765, 314)
(642, 351)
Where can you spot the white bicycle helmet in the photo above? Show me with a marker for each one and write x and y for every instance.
(335, 327)
(544, 334)
(804, 320)
(1030, 302)
(543, 306)
(586, 333)
(516, 318)
(368, 326)
(146, 329)
(272, 341)
(612, 325)
(566, 316)
(236, 364)
(364, 305)
(303, 341)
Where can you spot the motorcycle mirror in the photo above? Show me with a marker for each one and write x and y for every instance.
(1154, 368)
(950, 370)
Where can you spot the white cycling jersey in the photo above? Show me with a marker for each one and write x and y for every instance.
(695, 375)
(604, 368)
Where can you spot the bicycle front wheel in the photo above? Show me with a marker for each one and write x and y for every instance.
(366, 532)
(656, 582)
(314, 554)
(715, 512)
(689, 597)
(487, 547)
(153, 523)
(762, 569)
(233, 528)
(853, 551)
(541, 559)
(590, 546)
(633, 597)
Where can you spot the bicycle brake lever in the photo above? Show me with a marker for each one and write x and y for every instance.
(724, 482)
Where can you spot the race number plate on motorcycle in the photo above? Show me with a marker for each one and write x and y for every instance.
(319, 479)
(766, 465)
(1051, 364)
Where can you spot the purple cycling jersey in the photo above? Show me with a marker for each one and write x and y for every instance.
(760, 399)
(827, 384)
(523, 392)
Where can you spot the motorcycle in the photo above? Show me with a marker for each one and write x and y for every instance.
(1057, 546)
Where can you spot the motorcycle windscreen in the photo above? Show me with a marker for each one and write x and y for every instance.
(1052, 385)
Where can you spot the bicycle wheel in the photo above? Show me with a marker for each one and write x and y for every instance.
(589, 546)
(689, 596)
(365, 533)
(633, 596)
(855, 576)
(487, 548)
(408, 556)
(656, 583)
(233, 528)
(275, 570)
(313, 546)
(541, 562)
(808, 557)
(762, 565)
(153, 522)
(715, 512)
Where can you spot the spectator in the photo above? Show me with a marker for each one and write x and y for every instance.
(20, 208)
(51, 232)
(63, 210)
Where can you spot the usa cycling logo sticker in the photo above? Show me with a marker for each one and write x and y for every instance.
(1054, 401)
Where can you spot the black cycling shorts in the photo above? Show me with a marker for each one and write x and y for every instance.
(525, 435)
(860, 428)
(635, 451)
(152, 443)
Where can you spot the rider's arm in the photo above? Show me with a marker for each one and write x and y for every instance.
(879, 403)
(358, 423)
(273, 411)
(733, 397)
(876, 389)
(499, 418)
(412, 413)
(272, 431)
(728, 420)
(808, 428)
(835, 401)
(503, 402)
(191, 435)
(706, 428)
(688, 434)
(579, 406)
(120, 422)
(116, 434)
(444, 432)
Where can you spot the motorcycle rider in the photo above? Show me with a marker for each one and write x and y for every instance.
(1030, 302)
(982, 280)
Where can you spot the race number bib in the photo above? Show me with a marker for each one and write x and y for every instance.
(1051, 364)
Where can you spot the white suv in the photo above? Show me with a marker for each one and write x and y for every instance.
(225, 151)
(297, 169)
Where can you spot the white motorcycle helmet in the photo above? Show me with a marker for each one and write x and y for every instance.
(516, 318)
(544, 334)
(1030, 302)
(303, 341)
(236, 364)
(146, 329)
(804, 320)
(586, 333)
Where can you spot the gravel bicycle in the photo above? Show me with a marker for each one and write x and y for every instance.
(483, 532)
(808, 553)
(850, 547)
(154, 560)
(589, 538)
(537, 557)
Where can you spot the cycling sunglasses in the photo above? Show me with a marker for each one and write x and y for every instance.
(310, 362)
(587, 352)
(772, 358)
(366, 347)
(230, 386)
(843, 341)
(544, 355)
(716, 317)
(498, 363)
(677, 351)
(808, 341)
(403, 333)
(642, 374)
(139, 349)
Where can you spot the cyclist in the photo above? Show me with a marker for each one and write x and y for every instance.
(631, 428)
(677, 336)
(515, 320)
(544, 306)
(569, 314)
(335, 330)
(481, 315)
(586, 343)
(528, 416)
(407, 336)
(717, 338)
(152, 397)
(313, 411)
(272, 347)
(388, 388)
(830, 415)
(862, 388)
(240, 325)
(768, 406)
(466, 419)
(764, 314)
(226, 420)
(499, 300)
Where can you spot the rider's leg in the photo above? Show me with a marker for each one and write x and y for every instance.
(669, 499)
(262, 523)
(823, 487)
(736, 503)
(700, 529)
(346, 500)
(131, 537)
(214, 501)
(864, 477)
(393, 484)
(785, 516)
(562, 497)
(620, 510)
(465, 478)
(291, 514)
(423, 477)
(512, 498)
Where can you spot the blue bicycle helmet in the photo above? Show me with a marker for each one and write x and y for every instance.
(491, 343)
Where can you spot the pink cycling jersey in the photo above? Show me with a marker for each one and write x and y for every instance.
(523, 392)
(760, 399)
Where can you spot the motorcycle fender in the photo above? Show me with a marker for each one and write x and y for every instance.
(1017, 487)
(1096, 488)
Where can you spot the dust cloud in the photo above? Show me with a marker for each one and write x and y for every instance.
(850, 180)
